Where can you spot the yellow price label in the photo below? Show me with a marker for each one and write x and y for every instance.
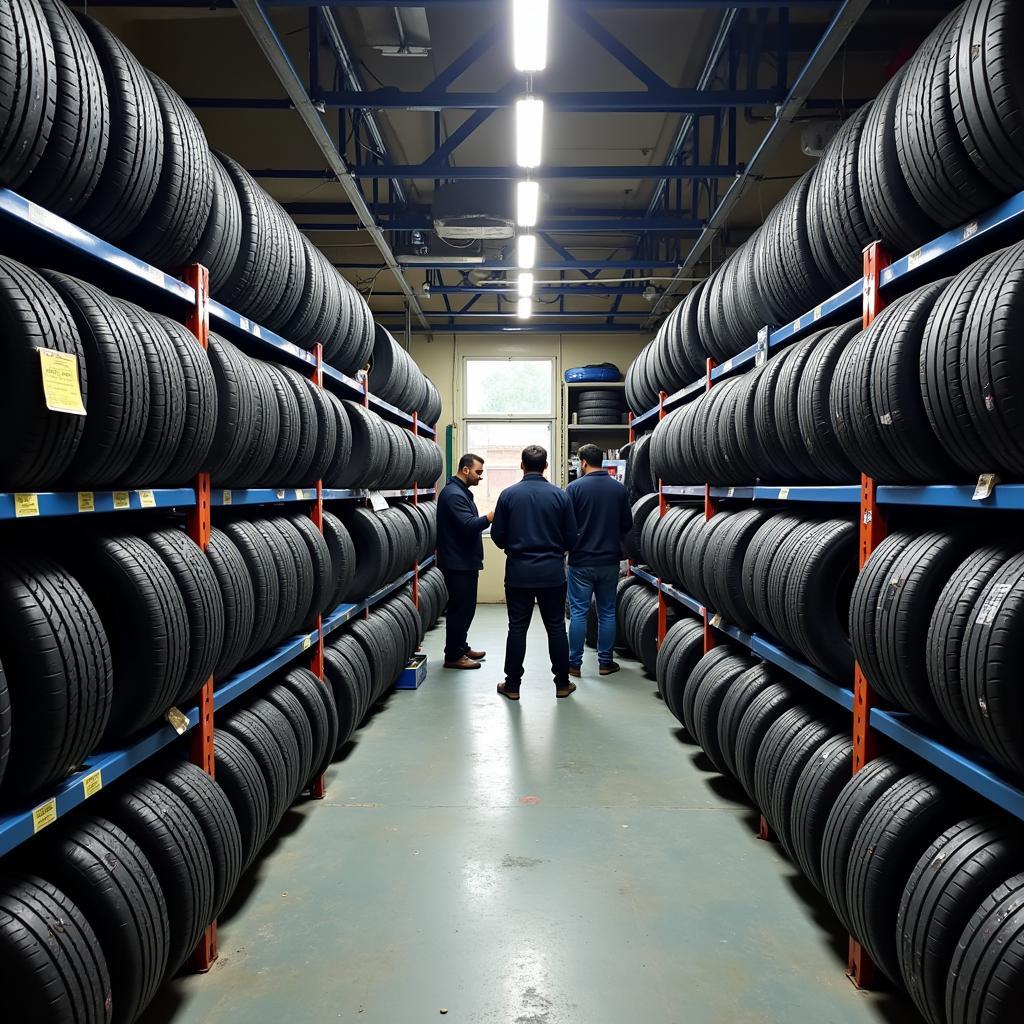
(783, 493)
(146, 499)
(92, 783)
(307, 642)
(26, 505)
(61, 389)
(86, 501)
(226, 498)
(44, 814)
(122, 499)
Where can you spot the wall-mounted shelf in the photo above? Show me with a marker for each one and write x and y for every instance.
(33, 504)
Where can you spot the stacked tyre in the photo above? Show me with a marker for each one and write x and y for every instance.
(939, 144)
(636, 614)
(395, 378)
(89, 133)
(433, 599)
(599, 406)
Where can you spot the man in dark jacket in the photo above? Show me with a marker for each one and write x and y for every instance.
(460, 554)
(534, 524)
(604, 517)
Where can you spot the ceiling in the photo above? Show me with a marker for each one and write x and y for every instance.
(611, 224)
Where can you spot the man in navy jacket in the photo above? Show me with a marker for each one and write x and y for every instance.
(535, 525)
(604, 517)
(460, 554)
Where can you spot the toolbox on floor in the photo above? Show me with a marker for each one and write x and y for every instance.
(413, 674)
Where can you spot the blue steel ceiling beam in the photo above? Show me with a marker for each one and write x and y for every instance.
(458, 67)
(578, 290)
(330, 209)
(608, 42)
(439, 158)
(630, 225)
(274, 50)
(561, 249)
(642, 264)
(611, 172)
(831, 42)
(653, 100)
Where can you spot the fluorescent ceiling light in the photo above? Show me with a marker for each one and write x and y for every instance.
(524, 310)
(527, 203)
(525, 284)
(526, 251)
(530, 34)
(529, 131)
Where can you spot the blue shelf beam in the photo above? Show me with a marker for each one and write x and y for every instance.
(32, 504)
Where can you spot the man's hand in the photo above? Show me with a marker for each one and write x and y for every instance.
(490, 517)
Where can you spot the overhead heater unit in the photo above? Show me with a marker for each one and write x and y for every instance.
(473, 210)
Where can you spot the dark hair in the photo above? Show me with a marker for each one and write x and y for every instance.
(591, 455)
(535, 458)
(469, 460)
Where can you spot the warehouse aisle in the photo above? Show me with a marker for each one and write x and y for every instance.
(551, 862)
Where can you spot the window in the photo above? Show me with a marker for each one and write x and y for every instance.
(509, 403)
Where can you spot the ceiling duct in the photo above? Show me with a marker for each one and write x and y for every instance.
(396, 31)
(469, 209)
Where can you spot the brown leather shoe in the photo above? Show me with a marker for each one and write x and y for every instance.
(607, 670)
(564, 691)
(476, 655)
(463, 662)
(576, 671)
(506, 692)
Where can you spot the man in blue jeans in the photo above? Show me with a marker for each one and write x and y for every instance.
(604, 517)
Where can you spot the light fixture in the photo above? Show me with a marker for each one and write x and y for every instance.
(530, 34)
(650, 293)
(526, 251)
(529, 131)
(527, 203)
(524, 309)
(525, 284)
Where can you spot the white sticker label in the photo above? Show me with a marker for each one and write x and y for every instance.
(225, 498)
(985, 486)
(716, 620)
(993, 602)
(885, 419)
(783, 493)
(970, 230)
(377, 501)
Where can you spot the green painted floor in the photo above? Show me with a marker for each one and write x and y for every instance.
(551, 862)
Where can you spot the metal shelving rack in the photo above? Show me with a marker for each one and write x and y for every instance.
(608, 436)
(882, 279)
(187, 299)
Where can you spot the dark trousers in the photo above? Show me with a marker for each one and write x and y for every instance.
(461, 586)
(551, 601)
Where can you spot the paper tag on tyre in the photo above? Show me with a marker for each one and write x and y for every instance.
(62, 390)
(377, 501)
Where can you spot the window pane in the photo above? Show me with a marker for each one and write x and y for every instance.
(499, 387)
(500, 445)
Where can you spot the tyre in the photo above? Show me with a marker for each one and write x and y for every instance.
(135, 153)
(264, 580)
(218, 245)
(237, 598)
(952, 878)
(172, 226)
(70, 167)
(119, 385)
(991, 646)
(374, 553)
(57, 662)
(343, 558)
(144, 614)
(987, 974)
(317, 699)
(49, 948)
(241, 777)
(106, 874)
(171, 839)
(854, 802)
(165, 423)
(987, 94)
(760, 715)
(817, 788)
(213, 811)
(204, 605)
(34, 317)
(745, 688)
(28, 89)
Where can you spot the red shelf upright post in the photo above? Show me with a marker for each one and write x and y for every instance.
(318, 788)
(416, 500)
(710, 509)
(860, 968)
(662, 509)
(198, 322)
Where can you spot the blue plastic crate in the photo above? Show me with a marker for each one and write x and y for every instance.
(413, 674)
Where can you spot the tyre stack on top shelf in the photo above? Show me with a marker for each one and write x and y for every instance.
(923, 873)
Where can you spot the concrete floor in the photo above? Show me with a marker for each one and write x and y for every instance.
(547, 862)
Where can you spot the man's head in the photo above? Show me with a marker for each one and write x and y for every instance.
(471, 469)
(535, 459)
(591, 457)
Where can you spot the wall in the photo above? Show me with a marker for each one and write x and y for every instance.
(440, 358)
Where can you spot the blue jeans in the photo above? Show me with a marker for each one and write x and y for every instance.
(599, 581)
